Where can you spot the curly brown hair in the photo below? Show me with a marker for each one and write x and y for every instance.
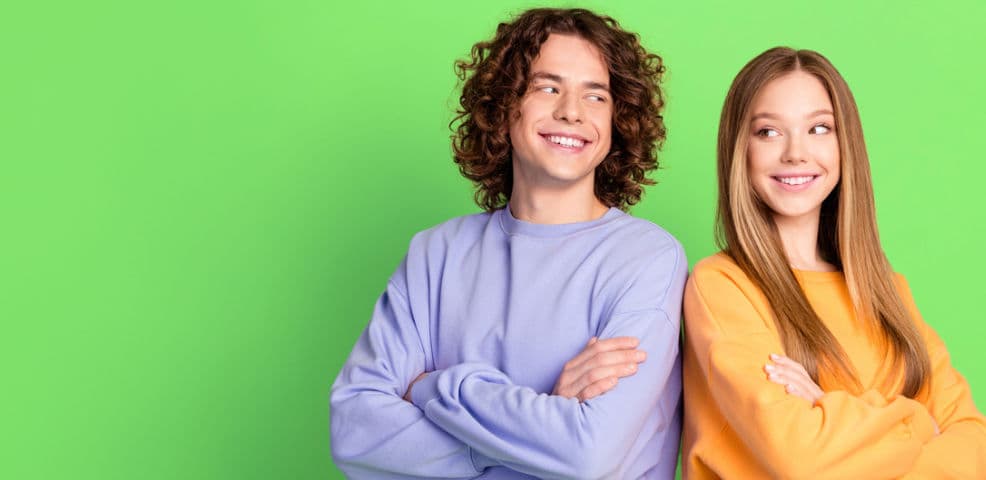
(495, 78)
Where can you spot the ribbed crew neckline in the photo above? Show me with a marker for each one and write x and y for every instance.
(513, 226)
(810, 276)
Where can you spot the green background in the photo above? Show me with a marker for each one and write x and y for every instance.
(201, 201)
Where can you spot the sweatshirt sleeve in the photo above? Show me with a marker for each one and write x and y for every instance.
(841, 436)
(375, 432)
(960, 450)
(549, 436)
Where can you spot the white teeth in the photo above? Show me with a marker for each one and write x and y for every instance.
(795, 180)
(566, 141)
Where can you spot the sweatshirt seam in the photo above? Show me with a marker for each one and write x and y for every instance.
(662, 298)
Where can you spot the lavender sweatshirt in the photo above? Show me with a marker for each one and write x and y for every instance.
(493, 307)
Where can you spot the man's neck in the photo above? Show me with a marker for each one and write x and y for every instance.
(552, 207)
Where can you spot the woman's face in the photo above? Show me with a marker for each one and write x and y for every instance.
(793, 152)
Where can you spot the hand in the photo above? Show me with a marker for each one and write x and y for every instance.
(794, 377)
(407, 396)
(597, 368)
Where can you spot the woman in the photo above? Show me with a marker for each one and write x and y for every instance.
(805, 356)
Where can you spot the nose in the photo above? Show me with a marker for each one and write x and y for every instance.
(568, 108)
(795, 151)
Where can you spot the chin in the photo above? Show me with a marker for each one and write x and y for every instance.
(794, 213)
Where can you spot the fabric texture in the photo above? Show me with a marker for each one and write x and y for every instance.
(493, 307)
(740, 425)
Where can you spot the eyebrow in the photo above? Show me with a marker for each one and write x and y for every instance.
(558, 79)
(772, 116)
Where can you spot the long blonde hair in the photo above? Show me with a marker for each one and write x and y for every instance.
(847, 232)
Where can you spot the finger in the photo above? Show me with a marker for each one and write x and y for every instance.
(594, 348)
(597, 388)
(787, 361)
(792, 386)
(797, 391)
(793, 369)
(607, 359)
(806, 388)
(617, 371)
(787, 373)
(795, 381)
(610, 364)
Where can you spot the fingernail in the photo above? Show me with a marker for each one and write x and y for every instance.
(774, 356)
(769, 368)
(773, 376)
(640, 356)
(631, 368)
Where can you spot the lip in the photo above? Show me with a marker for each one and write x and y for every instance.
(565, 148)
(564, 134)
(795, 188)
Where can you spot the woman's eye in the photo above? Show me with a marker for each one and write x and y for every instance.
(767, 132)
(820, 129)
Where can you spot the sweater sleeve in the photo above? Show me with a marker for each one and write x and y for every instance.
(960, 450)
(375, 432)
(550, 436)
(841, 436)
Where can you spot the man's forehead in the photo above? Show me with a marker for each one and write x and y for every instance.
(571, 57)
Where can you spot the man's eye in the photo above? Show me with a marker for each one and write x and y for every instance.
(548, 89)
(820, 129)
(596, 98)
(767, 132)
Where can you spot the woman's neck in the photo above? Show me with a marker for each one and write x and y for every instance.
(799, 237)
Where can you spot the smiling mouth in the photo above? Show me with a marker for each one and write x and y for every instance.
(563, 141)
(796, 181)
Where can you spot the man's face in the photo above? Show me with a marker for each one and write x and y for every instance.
(562, 130)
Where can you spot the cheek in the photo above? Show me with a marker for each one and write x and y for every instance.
(755, 159)
(604, 127)
(757, 164)
(517, 126)
(835, 162)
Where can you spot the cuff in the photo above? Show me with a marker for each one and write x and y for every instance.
(425, 390)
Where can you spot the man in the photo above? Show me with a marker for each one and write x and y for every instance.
(466, 368)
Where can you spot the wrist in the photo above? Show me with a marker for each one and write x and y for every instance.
(407, 394)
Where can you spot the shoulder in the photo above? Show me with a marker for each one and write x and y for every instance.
(716, 270)
(643, 266)
(429, 249)
(719, 290)
(447, 234)
(904, 291)
(643, 231)
(644, 250)
(903, 288)
(642, 239)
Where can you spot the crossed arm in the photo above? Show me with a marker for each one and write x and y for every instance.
(594, 371)
(801, 431)
(468, 417)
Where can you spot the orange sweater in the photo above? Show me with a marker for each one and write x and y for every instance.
(739, 425)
